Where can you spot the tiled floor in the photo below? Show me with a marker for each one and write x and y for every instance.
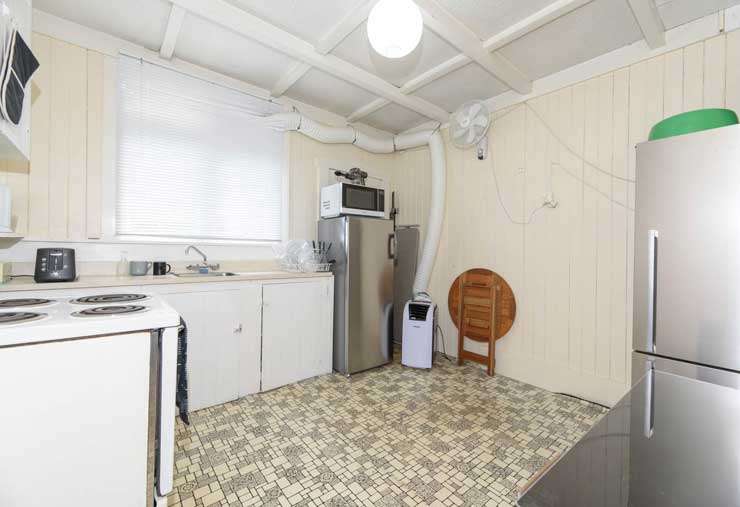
(391, 436)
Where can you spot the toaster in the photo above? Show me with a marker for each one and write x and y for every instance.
(55, 265)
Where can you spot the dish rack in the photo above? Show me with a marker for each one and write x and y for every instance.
(300, 257)
(318, 262)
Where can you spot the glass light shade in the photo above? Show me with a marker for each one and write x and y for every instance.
(394, 27)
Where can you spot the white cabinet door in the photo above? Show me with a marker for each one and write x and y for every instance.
(296, 332)
(217, 332)
(250, 335)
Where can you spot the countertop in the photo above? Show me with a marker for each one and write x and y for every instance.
(88, 281)
(685, 455)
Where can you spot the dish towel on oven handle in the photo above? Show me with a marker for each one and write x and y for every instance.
(181, 396)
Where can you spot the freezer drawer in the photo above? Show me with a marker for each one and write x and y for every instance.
(671, 441)
(687, 248)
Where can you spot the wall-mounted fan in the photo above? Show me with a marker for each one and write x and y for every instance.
(469, 125)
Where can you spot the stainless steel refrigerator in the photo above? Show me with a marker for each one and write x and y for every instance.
(687, 249)
(362, 250)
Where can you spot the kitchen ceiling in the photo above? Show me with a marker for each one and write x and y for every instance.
(278, 45)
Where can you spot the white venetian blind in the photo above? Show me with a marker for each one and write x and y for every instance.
(193, 161)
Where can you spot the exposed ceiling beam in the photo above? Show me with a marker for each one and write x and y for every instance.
(348, 24)
(651, 25)
(289, 78)
(367, 109)
(354, 18)
(414, 84)
(177, 15)
(444, 68)
(250, 26)
(447, 26)
(531, 23)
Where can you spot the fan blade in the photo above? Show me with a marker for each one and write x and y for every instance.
(460, 117)
(480, 121)
(474, 110)
(471, 136)
(459, 133)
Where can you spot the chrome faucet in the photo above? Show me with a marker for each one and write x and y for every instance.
(204, 264)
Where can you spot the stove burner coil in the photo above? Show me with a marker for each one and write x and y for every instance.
(103, 311)
(16, 303)
(108, 298)
(18, 317)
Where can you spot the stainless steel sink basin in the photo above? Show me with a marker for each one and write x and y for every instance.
(210, 274)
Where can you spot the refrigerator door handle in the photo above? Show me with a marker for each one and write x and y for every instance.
(392, 248)
(652, 296)
(649, 423)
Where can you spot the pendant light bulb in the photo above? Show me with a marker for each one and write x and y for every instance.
(394, 27)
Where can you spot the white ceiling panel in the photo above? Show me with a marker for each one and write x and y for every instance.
(394, 118)
(489, 17)
(210, 46)
(678, 12)
(307, 19)
(139, 21)
(327, 92)
(432, 51)
(592, 30)
(469, 83)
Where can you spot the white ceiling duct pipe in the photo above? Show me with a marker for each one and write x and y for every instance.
(374, 144)
(413, 140)
(436, 213)
(349, 135)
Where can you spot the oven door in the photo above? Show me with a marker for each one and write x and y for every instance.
(164, 398)
(359, 200)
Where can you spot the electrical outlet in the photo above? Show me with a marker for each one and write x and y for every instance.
(550, 201)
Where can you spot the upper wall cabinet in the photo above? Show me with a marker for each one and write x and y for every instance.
(15, 139)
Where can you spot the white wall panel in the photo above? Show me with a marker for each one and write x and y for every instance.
(693, 76)
(94, 169)
(733, 71)
(38, 179)
(714, 72)
(56, 186)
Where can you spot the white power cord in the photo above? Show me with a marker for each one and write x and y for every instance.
(549, 200)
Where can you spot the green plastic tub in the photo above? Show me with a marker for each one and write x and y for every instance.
(693, 121)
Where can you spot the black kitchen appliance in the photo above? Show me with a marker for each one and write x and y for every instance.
(55, 265)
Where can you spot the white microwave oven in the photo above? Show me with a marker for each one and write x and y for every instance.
(348, 199)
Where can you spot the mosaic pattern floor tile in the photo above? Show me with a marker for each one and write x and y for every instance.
(393, 436)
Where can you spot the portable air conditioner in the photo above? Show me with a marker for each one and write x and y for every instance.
(419, 324)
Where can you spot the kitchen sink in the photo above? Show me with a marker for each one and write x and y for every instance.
(210, 274)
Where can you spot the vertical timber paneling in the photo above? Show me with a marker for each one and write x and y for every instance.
(94, 162)
(38, 180)
(64, 183)
(571, 268)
